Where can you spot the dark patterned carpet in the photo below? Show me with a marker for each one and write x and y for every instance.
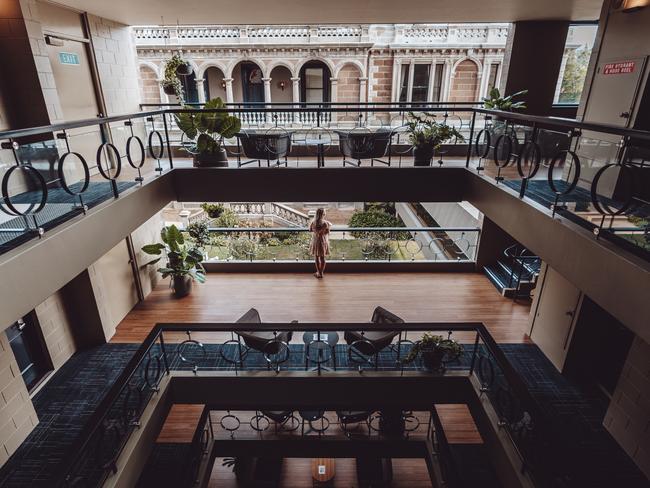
(66, 402)
(60, 207)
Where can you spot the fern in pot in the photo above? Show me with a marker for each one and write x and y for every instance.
(170, 83)
(426, 135)
(183, 260)
(436, 352)
(204, 133)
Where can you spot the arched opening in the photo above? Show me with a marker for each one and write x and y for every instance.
(189, 87)
(348, 90)
(315, 82)
(214, 85)
(281, 89)
(247, 84)
(149, 87)
(464, 87)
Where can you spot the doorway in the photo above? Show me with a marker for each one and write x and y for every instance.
(315, 82)
(27, 344)
(252, 84)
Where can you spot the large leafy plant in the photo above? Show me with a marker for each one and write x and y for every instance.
(207, 130)
(182, 258)
(171, 78)
(434, 343)
(423, 130)
(497, 102)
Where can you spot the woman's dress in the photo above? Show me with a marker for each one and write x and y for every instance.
(320, 240)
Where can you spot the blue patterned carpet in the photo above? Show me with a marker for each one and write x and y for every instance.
(68, 399)
(59, 209)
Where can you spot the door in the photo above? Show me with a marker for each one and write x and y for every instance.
(555, 310)
(252, 84)
(614, 91)
(29, 349)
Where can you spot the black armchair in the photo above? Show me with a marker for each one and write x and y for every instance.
(358, 144)
(370, 343)
(271, 145)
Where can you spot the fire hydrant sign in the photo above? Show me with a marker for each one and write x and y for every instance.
(620, 68)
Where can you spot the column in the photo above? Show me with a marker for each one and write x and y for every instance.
(268, 117)
(363, 89)
(200, 88)
(295, 88)
(334, 96)
(229, 97)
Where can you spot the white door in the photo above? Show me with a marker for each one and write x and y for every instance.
(555, 310)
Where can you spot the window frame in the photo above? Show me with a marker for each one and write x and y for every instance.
(411, 63)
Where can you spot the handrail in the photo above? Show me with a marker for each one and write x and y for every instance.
(82, 443)
(344, 229)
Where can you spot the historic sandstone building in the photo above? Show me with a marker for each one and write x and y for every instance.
(351, 63)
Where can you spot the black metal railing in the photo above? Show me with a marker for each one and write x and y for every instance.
(205, 349)
(593, 174)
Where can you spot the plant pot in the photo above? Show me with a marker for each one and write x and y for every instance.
(391, 423)
(183, 70)
(182, 286)
(217, 159)
(422, 155)
(432, 360)
(169, 89)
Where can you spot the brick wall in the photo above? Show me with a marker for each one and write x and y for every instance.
(380, 79)
(17, 414)
(149, 88)
(464, 85)
(56, 326)
(348, 84)
(628, 416)
(116, 64)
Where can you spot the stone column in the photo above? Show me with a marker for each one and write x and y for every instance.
(229, 97)
(295, 88)
(334, 95)
(363, 89)
(200, 88)
(267, 98)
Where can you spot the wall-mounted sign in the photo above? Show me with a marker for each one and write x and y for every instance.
(69, 58)
(620, 68)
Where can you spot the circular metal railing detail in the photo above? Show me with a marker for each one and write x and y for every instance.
(106, 173)
(8, 207)
(61, 173)
(625, 179)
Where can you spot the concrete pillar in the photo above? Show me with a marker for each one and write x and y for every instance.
(229, 97)
(200, 88)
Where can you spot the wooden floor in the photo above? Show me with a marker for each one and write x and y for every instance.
(339, 297)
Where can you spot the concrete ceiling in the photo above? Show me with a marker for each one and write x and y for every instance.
(150, 12)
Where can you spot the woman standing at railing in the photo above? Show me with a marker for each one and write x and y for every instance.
(320, 241)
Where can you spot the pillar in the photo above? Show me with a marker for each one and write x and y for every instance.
(200, 88)
(334, 96)
(229, 97)
(363, 89)
(267, 90)
(295, 89)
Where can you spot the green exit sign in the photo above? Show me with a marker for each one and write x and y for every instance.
(69, 58)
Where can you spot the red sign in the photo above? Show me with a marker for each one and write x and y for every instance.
(624, 67)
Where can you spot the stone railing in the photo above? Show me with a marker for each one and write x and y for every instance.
(296, 34)
(283, 214)
(414, 34)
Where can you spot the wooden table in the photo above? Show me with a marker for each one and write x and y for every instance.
(323, 469)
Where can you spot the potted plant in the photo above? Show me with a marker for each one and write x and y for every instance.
(200, 235)
(435, 350)
(170, 83)
(183, 261)
(214, 210)
(426, 135)
(206, 131)
(495, 101)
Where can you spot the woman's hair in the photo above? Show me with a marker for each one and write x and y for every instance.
(319, 218)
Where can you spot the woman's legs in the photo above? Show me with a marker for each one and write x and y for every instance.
(322, 265)
(317, 262)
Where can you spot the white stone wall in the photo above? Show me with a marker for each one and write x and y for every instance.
(116, 64)
(628, 415)
(56, 326)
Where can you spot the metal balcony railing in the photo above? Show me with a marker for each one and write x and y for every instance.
(592, 174)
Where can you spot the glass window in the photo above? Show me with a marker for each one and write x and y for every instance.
(314, 88)
(492, 78)
(404, 83)
(420, 89)
(437, 82)
(573, 71)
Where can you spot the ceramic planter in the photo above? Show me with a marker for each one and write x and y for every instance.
(217, 159)
(422, 155)
(182, 286)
